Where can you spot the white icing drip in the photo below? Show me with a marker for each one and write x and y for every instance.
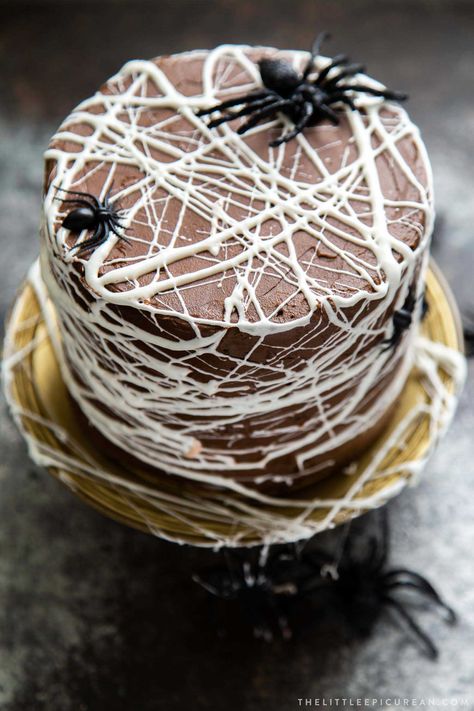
(154, 382)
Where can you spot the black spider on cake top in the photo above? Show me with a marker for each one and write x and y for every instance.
(91, 214)
(305, 101)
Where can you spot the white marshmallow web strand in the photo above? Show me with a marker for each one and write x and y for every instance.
(153, 382)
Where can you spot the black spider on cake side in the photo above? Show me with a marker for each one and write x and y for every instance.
(306, 101)
(91, 214)
(402, 318)
(468, 331)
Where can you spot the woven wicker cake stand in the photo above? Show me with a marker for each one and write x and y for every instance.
(183, 510)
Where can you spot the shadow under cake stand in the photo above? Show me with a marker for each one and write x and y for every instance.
(187, 511)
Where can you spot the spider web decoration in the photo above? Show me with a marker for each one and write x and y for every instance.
(225, 231)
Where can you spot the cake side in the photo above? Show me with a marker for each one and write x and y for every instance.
(239, 331)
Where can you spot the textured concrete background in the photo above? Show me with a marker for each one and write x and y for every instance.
(96, 617)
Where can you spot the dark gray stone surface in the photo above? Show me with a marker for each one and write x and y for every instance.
(96, 617)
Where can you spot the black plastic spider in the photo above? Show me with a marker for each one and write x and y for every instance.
(305, 101)
(402, 319)
(91, 214)
(356, 583)
(250, 583)
(425, 307)
(362, 587)
(468, 330)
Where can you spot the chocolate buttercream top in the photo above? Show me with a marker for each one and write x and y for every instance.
(223, 228)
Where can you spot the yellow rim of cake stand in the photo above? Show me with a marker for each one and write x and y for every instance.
(187, 511)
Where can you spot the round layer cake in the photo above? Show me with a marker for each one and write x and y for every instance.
(244, 320)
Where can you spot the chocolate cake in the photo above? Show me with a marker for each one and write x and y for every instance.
(249, 310)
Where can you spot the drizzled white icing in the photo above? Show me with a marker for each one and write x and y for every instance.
(181, 402)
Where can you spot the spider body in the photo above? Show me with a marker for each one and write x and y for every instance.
(468, 331)
(402, 320)
(250, 583)
(305, 101)
(90, 214)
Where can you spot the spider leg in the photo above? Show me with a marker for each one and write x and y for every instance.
(243, 112)
(314, 584)
(373, 550)
(111, 215)
(117, 234)
(389, 345)
(116, 223)
(385, 93)
(400, 584)
(349, 71)
(400, 577)
(115, 218)
(384, 539)
(90, 244)
(114, 209)
(336, 62)
(250, 98)
(315, 51)
(212, 589)
(307, 114)
(378, 546)
(419, 633)
(331, 115)
(81, 194)
(394, 339)
(342, 98)
(73, 201)
(107, 203)
(280, 619)
(99, 236)
(263, 113)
